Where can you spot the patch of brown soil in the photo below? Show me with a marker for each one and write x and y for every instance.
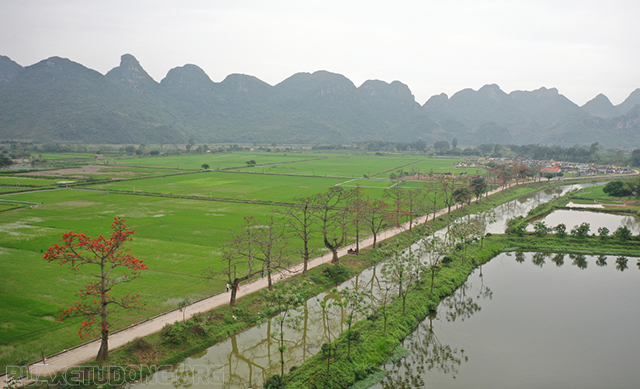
(77, 203)
(79, 172)
(146, 356)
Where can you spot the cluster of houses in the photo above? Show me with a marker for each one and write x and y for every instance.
(577, 169)
(581, 169)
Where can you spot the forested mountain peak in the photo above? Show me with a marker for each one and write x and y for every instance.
(315, 85)
(541, 99)
(245, 84)
(57, 69)
(384, 96)
(187, 78)
(601, 106)
(630, 102)
(381, 88)
(58, 100)
(132, 74)
(493, 92)
(437, 100)
(8, 71)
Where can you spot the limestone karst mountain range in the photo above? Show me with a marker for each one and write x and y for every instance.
(58, 100)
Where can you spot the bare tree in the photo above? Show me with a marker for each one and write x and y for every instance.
(397, 197)
(355, 302)
(287, 300)
(480, 223)
(256, 249)
(460, 233)
(332, 218)
(414, 202)
(402, 268)
(448, 185)
(376, 216)
(434, 249)
(356, 211)
(300, 217)
(270, 248)
(385, 299)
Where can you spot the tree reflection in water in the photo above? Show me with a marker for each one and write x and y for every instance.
(621, 263)
(579, 260)
(460, 305)
(427, 352)
(558, 259)
(539, 258)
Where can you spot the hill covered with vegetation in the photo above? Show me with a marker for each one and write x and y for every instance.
(58, 100)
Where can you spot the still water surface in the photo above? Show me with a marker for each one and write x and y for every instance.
(522, 205)
(531, 320)
(572, 218)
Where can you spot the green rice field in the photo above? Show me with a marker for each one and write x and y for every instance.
(359, 165)
(177, 238)
(218, 161)
(19, 181)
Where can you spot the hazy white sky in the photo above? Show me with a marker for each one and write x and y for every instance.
(581, 47)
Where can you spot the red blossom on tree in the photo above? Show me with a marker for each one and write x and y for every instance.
(107, 255)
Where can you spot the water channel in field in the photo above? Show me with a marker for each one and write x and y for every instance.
(247, 359)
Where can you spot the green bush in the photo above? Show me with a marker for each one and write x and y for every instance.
(581, 231)
(618, 189)
(603, 232)
(622, 233)
(274, 382)
(516, 226)
(337, 273)
(561, 230)
(540, 229)
(175, 333)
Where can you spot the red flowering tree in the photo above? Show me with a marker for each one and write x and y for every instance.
(110, 265)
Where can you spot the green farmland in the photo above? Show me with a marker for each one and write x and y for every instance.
(358, 166)
(228, 185)
(219, 161)
(247, 186)
(178, 238)
(19, 181)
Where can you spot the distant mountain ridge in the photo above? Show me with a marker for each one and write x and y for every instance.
(58, 100)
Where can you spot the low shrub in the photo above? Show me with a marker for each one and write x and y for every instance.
(139, 344)
(337, 273)
(175, 333)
